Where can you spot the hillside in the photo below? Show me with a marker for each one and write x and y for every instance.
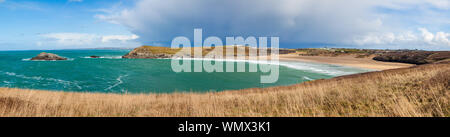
(402, 56)
(417, 91)
(414, 57)
(166, 52)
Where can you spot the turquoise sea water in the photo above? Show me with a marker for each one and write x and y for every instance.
(112, 74)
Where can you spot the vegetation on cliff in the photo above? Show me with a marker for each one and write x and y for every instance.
(414, 57)
(166, 52)
(151, 52)
(403, 56)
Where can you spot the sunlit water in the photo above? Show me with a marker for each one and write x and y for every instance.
(112, 74)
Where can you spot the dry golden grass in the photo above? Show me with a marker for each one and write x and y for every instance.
(154, 49)
(418, 91)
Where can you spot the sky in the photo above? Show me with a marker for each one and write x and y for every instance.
(74, 24)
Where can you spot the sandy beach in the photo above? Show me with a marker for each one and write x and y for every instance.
(349, 61)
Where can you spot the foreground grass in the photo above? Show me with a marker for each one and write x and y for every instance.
(417, 91)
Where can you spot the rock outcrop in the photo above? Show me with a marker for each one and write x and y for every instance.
(48, 56)
(150, 52)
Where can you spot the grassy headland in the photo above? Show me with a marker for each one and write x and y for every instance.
(417, 91)
(403, 56)
(166, 52)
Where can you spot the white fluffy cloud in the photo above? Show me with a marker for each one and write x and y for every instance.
(294, 21)
(438, 40)
(119, 38)
(88, 40)
(442, 4)
(71, 38)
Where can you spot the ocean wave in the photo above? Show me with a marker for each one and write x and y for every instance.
(119, 81)
(29, 59)
(7, 83)
(39, 78)
(327, 69)
(318, 68)
(104, 57)
(307, 78)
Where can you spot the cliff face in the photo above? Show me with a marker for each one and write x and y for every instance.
(151, 52)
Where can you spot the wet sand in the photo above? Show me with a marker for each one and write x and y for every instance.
(349, 61)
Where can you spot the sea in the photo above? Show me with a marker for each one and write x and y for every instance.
(112, 74)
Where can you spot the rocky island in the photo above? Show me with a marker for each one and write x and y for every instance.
(48, 56)
(151, 52)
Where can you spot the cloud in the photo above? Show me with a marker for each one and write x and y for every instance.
(72, 39)
(440, 38)
(441, 4)
(427, 36)
(119, 38)
(294, 21)
(423, 39)
(87, 40)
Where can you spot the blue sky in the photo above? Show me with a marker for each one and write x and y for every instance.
(24, 24)
(71, 24)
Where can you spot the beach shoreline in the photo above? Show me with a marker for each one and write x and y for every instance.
(346, 61)
(349, 61)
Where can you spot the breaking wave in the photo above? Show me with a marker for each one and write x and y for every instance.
(104, 57)
(29, 59)
(39, 78)
(327, 69)
(119, 81)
